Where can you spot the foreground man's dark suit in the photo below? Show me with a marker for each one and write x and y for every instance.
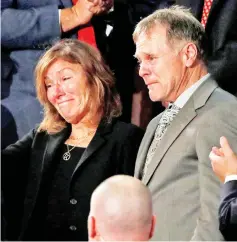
(228, 211)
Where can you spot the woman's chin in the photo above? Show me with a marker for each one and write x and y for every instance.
(72, 119)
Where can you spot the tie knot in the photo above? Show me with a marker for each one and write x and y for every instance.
(169, 113)
(173, 106)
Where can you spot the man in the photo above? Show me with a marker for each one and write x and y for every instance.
(224, 164)
(121, 210)
(221, 31)
(173, 156)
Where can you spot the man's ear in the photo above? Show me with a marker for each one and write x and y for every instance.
(190, 54)
(91, 228)
(153, 225)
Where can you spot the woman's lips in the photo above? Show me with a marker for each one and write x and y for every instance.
(64, 101)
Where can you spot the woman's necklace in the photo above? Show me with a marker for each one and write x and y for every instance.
(67, 154)
(82, 137)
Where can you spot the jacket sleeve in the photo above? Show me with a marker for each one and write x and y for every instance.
(130, 150)
(221, 124)
(228, 211)
(29, 28)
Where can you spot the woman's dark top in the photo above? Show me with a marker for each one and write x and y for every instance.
(58, 211)
(29, 170)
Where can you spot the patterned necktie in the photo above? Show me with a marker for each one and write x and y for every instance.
(86, 33)
(167, 117)
(206, 11)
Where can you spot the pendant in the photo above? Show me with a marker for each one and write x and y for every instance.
(66, 156)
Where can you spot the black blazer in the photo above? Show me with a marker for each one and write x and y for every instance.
(228, 211)
(26, 168)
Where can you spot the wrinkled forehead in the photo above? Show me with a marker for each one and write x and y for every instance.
(154, 40)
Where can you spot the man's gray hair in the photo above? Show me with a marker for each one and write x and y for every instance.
(181, 25)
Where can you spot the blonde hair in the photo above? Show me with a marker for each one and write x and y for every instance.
(180, 24)
(101, 96)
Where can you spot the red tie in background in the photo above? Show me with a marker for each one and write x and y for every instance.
(87, 33)
(205, 12)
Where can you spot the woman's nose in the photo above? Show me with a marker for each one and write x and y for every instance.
(58, 90)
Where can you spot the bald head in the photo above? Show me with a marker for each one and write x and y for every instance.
(121, 209)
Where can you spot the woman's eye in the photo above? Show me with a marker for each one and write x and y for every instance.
(48, 85)
(66, 78)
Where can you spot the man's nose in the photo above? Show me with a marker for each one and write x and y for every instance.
(143, 69)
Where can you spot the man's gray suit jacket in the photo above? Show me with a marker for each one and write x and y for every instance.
(185, 190)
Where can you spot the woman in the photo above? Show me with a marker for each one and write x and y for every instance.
(49, 175)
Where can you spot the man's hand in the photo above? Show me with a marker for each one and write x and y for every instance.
(82, 12)
(224, 160)
(85, 9)
(100, 6)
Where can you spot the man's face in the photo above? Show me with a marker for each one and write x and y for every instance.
(161, 66)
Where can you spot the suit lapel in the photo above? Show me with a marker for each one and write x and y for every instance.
(53, 145)
(98, 140)
(145, 144)
(184, 117)
(41, 161)
(214, 6)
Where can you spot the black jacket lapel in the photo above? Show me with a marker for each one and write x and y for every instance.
(41, 160)
(98, 140)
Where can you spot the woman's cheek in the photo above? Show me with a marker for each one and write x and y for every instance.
(51, 97)
(69, 87)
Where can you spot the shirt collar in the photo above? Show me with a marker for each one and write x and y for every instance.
(184, 97)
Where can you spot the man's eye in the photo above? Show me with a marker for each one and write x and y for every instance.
(151, 57)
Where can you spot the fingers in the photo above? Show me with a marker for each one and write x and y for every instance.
(217, 151)
(96, 3)
(95, 6)
(226, 147)
(217, 163)
(99, 6)
(214, 157)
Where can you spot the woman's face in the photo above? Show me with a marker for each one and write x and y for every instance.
(66, 85)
